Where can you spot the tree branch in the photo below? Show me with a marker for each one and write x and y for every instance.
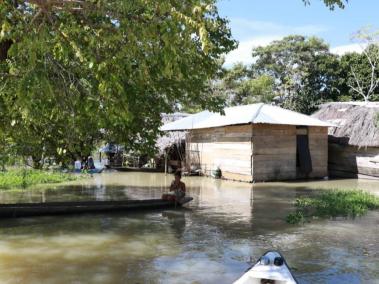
(360, 91)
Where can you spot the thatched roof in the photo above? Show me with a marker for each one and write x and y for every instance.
(170, 138)
(358, 123)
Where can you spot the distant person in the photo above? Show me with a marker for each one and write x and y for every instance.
(106, 162)
(177, 189)
(84, 164)
(91, 163)
(77, 166)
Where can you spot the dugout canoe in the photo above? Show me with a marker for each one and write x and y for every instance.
(80, 207)
(133, 169)
(90, 171)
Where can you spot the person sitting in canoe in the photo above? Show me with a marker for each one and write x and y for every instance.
(177, 189)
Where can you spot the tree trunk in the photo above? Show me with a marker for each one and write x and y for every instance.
(3, 169)
(4, 47)
(366, 99)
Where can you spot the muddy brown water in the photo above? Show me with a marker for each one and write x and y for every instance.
(210, 241)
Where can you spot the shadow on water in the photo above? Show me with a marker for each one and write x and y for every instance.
(211, 241)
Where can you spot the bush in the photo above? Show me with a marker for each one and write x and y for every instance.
(334, 203)
(25, 178)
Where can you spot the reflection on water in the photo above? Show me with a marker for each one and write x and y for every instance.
(210, 241)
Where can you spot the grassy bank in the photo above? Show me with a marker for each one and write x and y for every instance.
(333, 203)
(23, 178)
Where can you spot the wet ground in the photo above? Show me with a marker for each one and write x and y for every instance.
(210, 241)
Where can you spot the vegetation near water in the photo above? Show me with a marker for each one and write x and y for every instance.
(22, 178)
(334, 203)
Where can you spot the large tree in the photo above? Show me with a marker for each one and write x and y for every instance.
(303, 68)
(361, 82)
(239, 86)
(75, 72)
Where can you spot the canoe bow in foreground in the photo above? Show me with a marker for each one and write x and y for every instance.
(271, 268)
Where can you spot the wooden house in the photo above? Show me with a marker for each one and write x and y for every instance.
(257, 142)
(354, 144)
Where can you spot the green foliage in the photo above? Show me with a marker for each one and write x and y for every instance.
(297, 72)
(5, 151)
(105, 70)
(359, 73)
(233, 77)
(303, 68)
(345, 98)
(331, 3)
(295, 218)
(239, 86)
(73, 74)
(257, 90)
(333, 203)
(23, 178)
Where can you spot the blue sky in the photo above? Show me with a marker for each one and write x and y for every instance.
(258, 22)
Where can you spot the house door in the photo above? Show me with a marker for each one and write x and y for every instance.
(303, 154)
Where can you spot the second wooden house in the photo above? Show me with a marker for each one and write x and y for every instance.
(354, 144)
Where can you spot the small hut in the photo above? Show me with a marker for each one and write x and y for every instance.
(354, 144)
(112, 154)
(257, 142)
(171, 145)
(170, 150)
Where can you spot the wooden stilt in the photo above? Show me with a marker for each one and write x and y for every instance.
(165, 163)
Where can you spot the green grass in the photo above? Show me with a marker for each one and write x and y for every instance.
(333, 203)
(18, 178)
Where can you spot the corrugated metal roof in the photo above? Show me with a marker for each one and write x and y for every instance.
(254, 113)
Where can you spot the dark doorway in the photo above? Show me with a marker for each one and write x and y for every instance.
(303, 154)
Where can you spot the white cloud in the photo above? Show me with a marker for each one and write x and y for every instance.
(244, 50)
(343, 49)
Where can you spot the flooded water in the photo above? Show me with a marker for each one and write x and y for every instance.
(210, 241)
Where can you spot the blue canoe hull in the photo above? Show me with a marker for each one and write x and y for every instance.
(92, 171)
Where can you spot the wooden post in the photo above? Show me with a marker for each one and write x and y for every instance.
(252, 194)
(165, 162)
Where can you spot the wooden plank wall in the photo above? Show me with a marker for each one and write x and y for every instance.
(318, 146)
(351, 161)
(274, 152)
(259, 152)
(226, 147)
